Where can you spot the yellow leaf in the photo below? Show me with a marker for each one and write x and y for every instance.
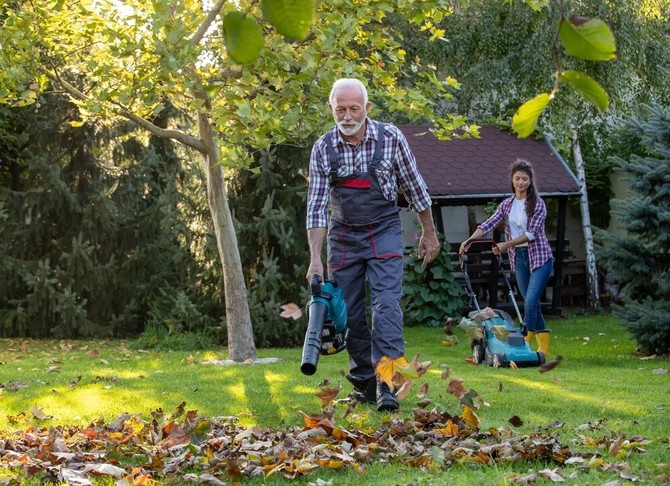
(449, 429)
(387, 367)
(470, 417)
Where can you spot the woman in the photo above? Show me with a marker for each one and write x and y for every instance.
(529, 251)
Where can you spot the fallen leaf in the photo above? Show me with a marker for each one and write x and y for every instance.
(551, 474)
(516, 421)
(470, 417)
(513, 365)
(39, 414)
(551, 364)
(291, 310)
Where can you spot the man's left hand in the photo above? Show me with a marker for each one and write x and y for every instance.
(429, 248)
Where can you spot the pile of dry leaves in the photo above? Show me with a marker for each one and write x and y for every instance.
(190, 447)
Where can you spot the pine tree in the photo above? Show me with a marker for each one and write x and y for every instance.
(639, 260)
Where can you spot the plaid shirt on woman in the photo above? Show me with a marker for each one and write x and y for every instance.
(396, 169)
(539, 250)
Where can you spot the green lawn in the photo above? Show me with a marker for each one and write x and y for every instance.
(602, 401)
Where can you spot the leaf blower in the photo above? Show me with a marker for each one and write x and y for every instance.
(326, 323)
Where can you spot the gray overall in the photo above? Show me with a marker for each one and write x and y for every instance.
(365, 241)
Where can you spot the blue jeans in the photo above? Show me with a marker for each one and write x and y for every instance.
(531, 285)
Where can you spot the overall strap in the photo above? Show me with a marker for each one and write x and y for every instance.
(377, 156)
(334, 157)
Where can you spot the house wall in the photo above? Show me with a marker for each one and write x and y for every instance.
(456, 228)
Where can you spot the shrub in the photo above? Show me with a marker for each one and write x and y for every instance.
(431, 295)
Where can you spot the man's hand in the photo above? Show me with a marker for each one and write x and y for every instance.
(315, 268)
(429, 248)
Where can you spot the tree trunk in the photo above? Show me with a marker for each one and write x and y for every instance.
(241, 346)
(592, 287)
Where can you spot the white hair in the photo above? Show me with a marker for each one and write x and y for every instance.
(348, 83)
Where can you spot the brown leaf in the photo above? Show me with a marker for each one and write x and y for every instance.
(39, 414)
(448, 327)
(455, 387)
(446, 372)
(327, 395)
(423, 391)
(404, 390)
(551, 364)
(420, 367)
(516, 421)
(292, 311)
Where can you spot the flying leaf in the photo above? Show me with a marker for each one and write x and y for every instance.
(551, 364)
(448, 327)
(525, 119)
(291, 18)
(455, 387)
(500, 332)
(423, 391)
(387, 367)
(471, 328)
(587, 87)
(404, 390)
(292, 311)
(587, 38)
(327, 395)
(446, 372)
(243, 38)
(420, 367)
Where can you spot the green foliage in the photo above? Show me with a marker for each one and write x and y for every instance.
(639, 260)
(431, 295)
(269, 201)
(584, 38)
(98, 241)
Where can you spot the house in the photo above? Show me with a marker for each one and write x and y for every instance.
(463, 176)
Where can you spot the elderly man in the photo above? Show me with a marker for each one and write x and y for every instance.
(355, 170)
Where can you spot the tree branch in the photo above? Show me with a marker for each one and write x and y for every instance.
(177, 135)
(204, 26)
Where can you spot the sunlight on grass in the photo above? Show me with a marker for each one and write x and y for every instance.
(560, 391)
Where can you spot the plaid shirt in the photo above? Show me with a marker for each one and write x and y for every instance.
(539, 249)
(396, 169)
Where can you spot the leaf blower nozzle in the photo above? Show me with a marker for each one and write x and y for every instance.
(326, 324)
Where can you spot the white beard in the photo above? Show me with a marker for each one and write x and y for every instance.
(350, 131)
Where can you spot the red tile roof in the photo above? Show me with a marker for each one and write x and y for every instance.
(478, 168)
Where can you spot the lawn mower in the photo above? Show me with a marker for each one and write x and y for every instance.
(497, 341)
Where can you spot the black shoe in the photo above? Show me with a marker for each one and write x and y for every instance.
(365, 389)
(386, 400)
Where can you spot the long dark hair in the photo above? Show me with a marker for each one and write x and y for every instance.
(521, 165)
